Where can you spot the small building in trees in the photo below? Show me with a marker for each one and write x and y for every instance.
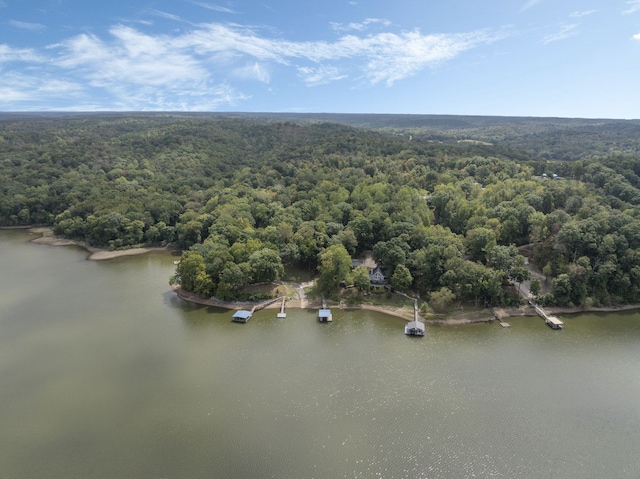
(377, 277)
(377, 280)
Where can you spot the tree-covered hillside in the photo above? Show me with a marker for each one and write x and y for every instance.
(566, 139)
(243, 196)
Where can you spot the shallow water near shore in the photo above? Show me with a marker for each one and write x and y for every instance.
(105, 373)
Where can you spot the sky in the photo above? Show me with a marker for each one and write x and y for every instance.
(544, 58)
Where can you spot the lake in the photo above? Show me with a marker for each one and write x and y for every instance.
(105, 373)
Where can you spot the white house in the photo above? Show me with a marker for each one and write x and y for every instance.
(377, 277)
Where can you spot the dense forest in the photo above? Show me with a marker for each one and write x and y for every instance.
(449, 207)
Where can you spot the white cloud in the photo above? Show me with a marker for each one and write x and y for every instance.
(134, 58)
(168, 16)
(582, 14)
(133, 70)
(215, 8)
(359, 26)
(389, 57)
(18, 87)
(34, 27)
(567, 31)
(381, 57)
(143, 72)
(634, 6)
(320, 75)
(530, 4)
(8, 54)
(636, 36)
(253, 71)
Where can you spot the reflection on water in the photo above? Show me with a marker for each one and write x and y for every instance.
(105, 373)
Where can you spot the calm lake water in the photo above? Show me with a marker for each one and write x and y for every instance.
(105, 373)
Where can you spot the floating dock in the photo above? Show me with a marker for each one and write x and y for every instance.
(415, 327)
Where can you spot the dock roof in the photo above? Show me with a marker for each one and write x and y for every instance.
(416, 325)
(555, 321)
(242, 314)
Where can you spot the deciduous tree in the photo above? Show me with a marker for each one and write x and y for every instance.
(334, 266)
(401, 279)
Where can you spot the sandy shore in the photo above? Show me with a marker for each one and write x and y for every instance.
(402, 313)
(96, 254)
(484, 316)
(607, 309)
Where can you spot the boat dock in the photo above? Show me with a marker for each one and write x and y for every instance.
(241, 316)
(553, 321)
(415, 327)
(282, 314)
(498, 315)
(324, 314)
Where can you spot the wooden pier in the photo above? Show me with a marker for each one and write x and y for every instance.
(282, 314)
(553, 321)
(497, 314)
(242, 315)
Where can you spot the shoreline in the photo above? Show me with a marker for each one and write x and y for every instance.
(292, 304)
(95, 254)
(486, 316)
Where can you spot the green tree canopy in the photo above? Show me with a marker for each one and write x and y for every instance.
(266, 265)
(401, 278)
(334, 266)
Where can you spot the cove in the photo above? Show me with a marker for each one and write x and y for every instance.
(105, 373)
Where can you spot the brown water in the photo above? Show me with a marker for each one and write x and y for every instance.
(104, 373)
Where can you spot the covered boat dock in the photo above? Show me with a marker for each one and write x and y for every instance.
(415, 327)
(241, 316)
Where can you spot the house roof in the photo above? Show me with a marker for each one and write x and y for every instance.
(376, 276)
(242, 314)
(376, 270)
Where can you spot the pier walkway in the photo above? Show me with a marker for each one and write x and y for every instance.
(499, 314)
(553, 321)
(415, 327)
(282, 314)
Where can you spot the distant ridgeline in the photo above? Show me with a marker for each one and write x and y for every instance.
(449, 205)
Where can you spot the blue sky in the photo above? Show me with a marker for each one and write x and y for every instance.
(567, 58)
